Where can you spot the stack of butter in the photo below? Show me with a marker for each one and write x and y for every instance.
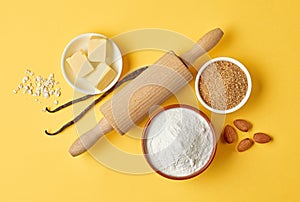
(91, 65)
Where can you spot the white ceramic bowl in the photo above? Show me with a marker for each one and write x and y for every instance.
(113, 58)
(244, 100)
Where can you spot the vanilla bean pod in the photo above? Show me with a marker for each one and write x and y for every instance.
(79, 116)
(128, 77)
(69, 103)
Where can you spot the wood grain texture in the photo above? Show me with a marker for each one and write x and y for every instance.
(203, 45)
(155, 85)
(88, 139)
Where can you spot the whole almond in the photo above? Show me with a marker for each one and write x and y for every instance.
(261, 138)
(229, 134)
(245, 144)
(242, 124)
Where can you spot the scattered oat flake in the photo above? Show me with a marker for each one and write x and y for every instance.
(55, 102)
(25, 79)
(57, 93)
(38, 85)
(29, 72)
(45, 95)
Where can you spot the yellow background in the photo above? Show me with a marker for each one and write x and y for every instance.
(261, 34)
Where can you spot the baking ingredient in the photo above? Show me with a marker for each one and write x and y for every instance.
(38, 86)
(242, 124)
(102, 76)
(92, 67)
(245, 144)
(80, 64)
(261, 138)
(179, 142)
(229, 134)
(97, 49)
(223, 85)
(127, 78)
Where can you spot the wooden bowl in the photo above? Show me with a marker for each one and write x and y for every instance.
(201, 169)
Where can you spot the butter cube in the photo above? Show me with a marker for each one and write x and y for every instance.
(102, 76)
(80, 64)
(97, 49)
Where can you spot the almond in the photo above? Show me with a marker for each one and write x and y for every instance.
(245, 144)
(242, 124)
(261, 138)
(229, 134)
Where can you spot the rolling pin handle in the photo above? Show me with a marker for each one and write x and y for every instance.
(203, 45)
(88, 139)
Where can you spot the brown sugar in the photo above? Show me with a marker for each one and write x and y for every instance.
(223, 85)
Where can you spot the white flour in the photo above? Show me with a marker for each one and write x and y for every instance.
(179, 142)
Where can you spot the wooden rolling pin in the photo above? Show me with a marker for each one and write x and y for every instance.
(150, 89)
